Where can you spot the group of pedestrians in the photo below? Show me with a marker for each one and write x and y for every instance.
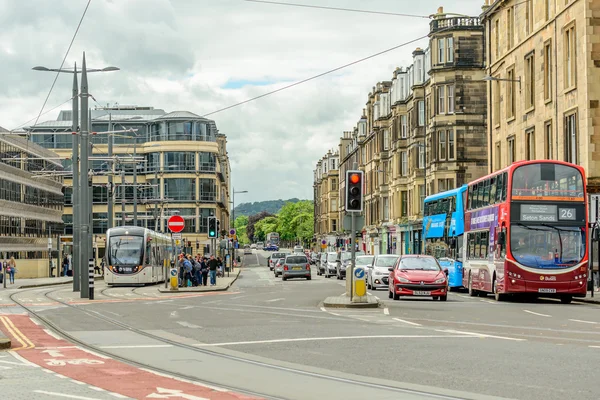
(195, 271)
(10, 267)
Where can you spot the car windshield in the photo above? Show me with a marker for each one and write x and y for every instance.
(331, 256)
(419, 263)
(278, 255)
(547, 246)
(364, 260)
(296, 260)
(125, 250)
(386, 261)
(346, 256)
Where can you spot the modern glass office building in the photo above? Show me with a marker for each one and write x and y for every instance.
(185, 170)
(31, 204)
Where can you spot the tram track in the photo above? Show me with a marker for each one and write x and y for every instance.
(94, 314)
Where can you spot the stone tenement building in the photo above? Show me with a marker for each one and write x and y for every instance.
(543, 99)
(326, 197)
(422, 132)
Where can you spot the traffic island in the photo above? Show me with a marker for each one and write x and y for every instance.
(5, 342)
(223, 284)
(344, 301)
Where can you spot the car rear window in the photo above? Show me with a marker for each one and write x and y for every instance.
(419, 263)
(296, 260)
(278, 255)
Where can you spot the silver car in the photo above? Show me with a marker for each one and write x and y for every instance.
(378, 273)
(279, 267)
(331, 264)
(296, 266)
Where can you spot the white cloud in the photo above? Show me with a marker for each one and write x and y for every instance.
(180, 54)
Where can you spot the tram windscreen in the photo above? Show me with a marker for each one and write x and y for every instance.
(125, 250)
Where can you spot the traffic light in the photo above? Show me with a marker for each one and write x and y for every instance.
(354, 191)
(212, 227)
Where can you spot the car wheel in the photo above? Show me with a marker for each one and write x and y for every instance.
(308, 278)
(368, 285)
(566, 299)
(472, 292)
(284, 278)
(444, 298)
(390, 295)
(396, 296)
(497, 296)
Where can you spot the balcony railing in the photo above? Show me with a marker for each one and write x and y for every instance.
(454, 22)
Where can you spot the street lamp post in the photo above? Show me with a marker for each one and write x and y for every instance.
(79, 259)
(232, 222)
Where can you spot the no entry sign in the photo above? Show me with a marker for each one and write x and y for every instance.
(176, 223)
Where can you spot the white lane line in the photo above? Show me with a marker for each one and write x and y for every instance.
(541, 315)
(12, 363)
(50, 333)
(323, 309)
(139, 346)
(273, 300)
(386, 311)
(67, 396)
(584, 322)
(314, 339)
(481, 335)
(188, 325)
(595, 347)
(406, 322)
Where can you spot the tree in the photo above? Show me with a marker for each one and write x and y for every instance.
(241, 225)
(265, 226)
(252, 220)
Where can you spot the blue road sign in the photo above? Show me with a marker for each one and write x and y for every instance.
(173, 272)
(359, 273)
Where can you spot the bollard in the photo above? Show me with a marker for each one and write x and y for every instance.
(91, 277)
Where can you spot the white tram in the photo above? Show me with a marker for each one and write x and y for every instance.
(136, 256)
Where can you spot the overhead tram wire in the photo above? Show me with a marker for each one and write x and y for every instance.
(63, 61)
(337, 9)
(44, 113)
(315, 76)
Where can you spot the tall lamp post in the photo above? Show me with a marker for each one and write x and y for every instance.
(79, 258)
(232, 222)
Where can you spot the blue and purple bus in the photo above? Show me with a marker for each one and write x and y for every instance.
(443, 229)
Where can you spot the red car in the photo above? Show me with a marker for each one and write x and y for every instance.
(418, 275)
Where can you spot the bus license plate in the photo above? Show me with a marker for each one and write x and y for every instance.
(421, 293)
(546, 290)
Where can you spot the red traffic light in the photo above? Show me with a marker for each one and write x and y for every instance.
(355, 178)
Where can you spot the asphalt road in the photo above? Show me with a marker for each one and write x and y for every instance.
(470, 346)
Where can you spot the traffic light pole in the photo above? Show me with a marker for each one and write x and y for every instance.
(352, 252)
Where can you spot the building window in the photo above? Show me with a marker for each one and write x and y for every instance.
(421, 113)
(442, 185)
(180, 161)
(451, 145)
(441, 99)
(529, 81)
(570, 57)
(419, 71)
(498, 156)
(529, 17)
(333, 205)
(386, 208)
(450, 99)
(334, 225)
(421, 197)
(547, 9)
(180, 189)
(497, 34)
(510, 94)
(334, 185)
(208, 190)
(421, 156)
(403, 163)
(332, 164)
(441, 53)
(496, 97)
(530, 145)
(548, 70)
(450, 52)
(548, 140)
(512, 151)
(442, 145)
(571, 143)
(403, 203)
(386, 139)
(403, 127)
(510, 26)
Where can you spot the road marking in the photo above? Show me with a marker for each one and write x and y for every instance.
(68, 396)
(188, 325)
(584, 322)
(138, 346)
(50, 333)
(595, 347)
(25, 342)
(490, 302)
(332, 338)
(386, 311)
(323, 309)
(541, 315)
(11, 363)
(406, 322)
(23, 360)
(272, 300)
(481, 335)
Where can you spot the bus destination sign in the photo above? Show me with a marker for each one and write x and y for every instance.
(539, 213)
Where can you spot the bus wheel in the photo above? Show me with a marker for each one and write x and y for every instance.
(566, 299)
(497, 296)
(472, 292)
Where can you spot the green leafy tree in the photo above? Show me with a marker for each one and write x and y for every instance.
(241, 225)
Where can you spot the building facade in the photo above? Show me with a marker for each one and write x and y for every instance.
(421, 133)
(31, 205)
(326, 201)
(185, 170)
(544, 88)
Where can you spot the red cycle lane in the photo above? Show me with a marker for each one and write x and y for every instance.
(34, 344)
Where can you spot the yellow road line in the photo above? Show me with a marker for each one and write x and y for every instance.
(14, 331)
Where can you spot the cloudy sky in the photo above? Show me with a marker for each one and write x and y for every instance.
(204, 55)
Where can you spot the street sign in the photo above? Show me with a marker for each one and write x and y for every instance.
(323, 241)
(232, 231)
(176, 236)
(176, 223)
(359, 273)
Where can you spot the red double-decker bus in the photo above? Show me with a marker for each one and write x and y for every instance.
(526, 231)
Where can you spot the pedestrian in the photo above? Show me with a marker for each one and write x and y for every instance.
(65, 265)
(197, 271)
(205, 271)
(12, 269)
(189, 271)
(181, 268)
(213, 264)
(97, 268)
(220, 268)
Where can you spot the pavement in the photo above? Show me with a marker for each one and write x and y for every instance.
(344, 301)
(26, 283)
(286, 344)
